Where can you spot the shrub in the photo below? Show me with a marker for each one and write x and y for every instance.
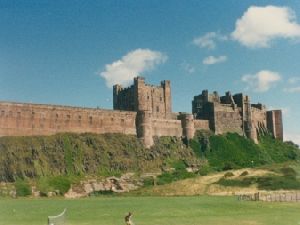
(228, 174)
(289, 172)
(99, 193)
(278, 182)
(236, 182)
(148, 181)
(63, 184)
(245, 173)
(23, 188)
(169, 177)
(204, 170)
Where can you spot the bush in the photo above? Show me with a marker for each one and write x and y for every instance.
(99, 193)
(278, 182)
(169, 177)
(236, 183)
(23, 188)
(228, 174)
(205, 170)
(148, 181)
(245, 173)
(289, 172)
(63, 184)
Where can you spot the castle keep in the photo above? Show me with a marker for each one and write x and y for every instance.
(146, 111)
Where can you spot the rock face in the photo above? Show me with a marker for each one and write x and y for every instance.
(125, 183)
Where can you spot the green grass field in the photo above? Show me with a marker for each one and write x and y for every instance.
(149, 211)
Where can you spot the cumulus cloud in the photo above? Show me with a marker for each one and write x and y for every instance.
(261, 81)
(260, 25)
(214, 59)
(292, 89)
(208, 40)
(135, 62)
(292, 137)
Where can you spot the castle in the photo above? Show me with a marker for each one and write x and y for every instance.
(145, 111)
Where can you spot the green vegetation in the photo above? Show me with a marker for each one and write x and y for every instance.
(231, 151)
(53, 163)
(23, 188)
(74, 155)
(228, 174)
(200, 210)
(244, 173)
(286, 181)
(58, 184)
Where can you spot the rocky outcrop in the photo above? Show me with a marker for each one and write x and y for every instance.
(125, 183)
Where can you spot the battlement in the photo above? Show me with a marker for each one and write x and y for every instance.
(144, 97)
(144, 110)
(235, 113)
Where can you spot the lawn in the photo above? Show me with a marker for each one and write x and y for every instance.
(149, 211)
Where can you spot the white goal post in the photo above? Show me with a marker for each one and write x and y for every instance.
(58, 220)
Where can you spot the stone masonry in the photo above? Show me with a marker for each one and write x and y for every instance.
(235, 113)
(146, 111)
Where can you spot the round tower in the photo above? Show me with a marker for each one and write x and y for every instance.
(144, 127)
(188, 127)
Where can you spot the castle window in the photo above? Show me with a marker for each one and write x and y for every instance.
(91, 120)
(148, 97)
(32, 115)
(157, 108)
(160, 98)
(56, 116)
(2, 113)
(122, 120)
(112, 119)
(68, 117)
(19, 114)
(79, 117)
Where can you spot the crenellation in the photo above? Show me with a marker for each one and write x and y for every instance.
(236, 114)
(146, 111)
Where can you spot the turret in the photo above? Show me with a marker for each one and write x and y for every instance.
(144, 127)
(187, 123)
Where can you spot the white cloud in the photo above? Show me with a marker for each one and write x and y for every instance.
(208, 40)
(129, 66)
(188, 67)
(292, 137)
(293, 80)
(292, 89)
(261, 81)
(214, 59)
(260, 25)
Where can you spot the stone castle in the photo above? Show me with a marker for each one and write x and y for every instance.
(145, 111)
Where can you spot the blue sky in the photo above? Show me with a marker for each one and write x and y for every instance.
(71, 52)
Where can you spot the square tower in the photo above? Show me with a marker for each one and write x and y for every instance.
(144, 97)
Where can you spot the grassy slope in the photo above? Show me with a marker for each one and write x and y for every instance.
(150, 210)
(232, 151)
(86, 154)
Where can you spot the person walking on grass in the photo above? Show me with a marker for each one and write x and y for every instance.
(128, 219)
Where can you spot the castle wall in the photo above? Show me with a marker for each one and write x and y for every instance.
(18, 119)
(274, 123)
(163, 127)
(259, 122)
(227, 119)
(201, 124)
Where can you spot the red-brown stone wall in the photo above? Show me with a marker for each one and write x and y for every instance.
(18, 119)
